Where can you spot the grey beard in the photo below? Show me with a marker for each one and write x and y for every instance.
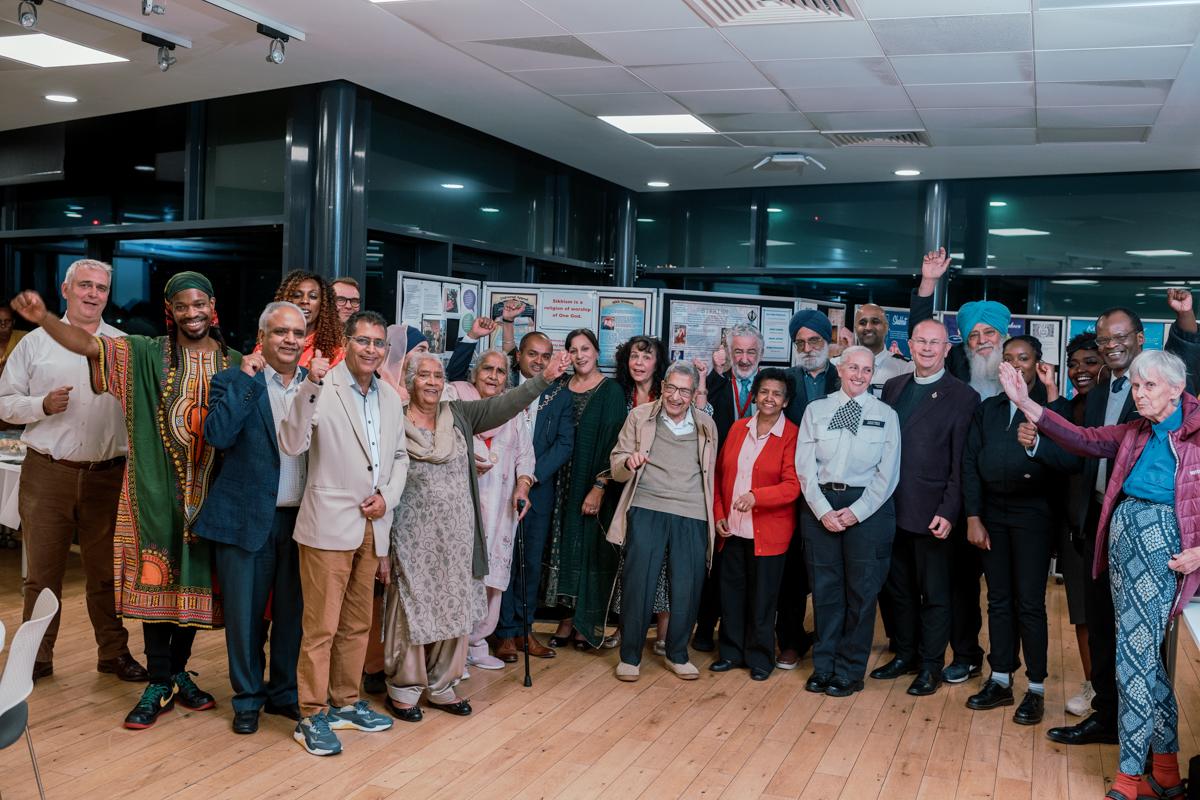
(815, 362)
(985, 373)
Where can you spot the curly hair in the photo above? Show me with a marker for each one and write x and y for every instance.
(328, 328)
(644, 344)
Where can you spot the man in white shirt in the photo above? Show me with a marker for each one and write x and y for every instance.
(871, 331)
(71, 478)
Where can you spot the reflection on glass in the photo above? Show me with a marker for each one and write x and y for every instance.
(243, 175)
(694, 229)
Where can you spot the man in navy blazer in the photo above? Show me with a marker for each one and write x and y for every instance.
(553, 422)
(256, 561)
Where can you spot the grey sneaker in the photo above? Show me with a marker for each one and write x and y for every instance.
(314, 735)
(358, 717)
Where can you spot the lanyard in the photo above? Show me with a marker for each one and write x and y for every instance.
(743, 409)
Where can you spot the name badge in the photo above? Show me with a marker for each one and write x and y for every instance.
(873, 423)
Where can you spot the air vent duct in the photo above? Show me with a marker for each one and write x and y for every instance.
(877, 138)
(720, 13)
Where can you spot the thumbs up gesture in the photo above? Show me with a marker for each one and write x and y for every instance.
(318, 367)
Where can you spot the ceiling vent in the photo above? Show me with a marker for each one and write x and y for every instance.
(877, 138)
(720, 13)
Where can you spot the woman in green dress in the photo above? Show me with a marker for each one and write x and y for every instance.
(581, 565)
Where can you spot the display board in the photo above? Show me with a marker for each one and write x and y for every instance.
(614, 315)
(1048, 330)
(439, 307)
(897, 320)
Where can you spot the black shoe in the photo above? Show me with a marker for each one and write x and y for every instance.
(960, 671)
(703, 642)
(818, 682)
(459, 708)
(125, 667)
(843, 687)
(759, 674)
(1090, 731)
(894, 669)
(245, 722)
(190, 695)
(722, 665)
(292, 712)
(1031, 709)
(157, 698)
(42, 669)
(374, 682)
(403, 714)
(992, 695)
(925, 684)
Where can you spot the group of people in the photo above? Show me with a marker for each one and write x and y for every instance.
(387, 522)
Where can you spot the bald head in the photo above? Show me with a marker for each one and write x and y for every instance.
(929, 345)
(871, 327)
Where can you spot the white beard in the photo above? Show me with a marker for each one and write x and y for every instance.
(815, 362)
(985, 372)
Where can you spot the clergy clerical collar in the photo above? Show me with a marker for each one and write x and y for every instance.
(934, 378)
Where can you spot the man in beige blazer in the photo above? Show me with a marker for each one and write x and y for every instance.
(349, 423)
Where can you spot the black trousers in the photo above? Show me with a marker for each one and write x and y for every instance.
(524, 577)
(168, 648)
(749, 591)
(710, 598)
(918, 587)
(847, 571)
(1016, 567)
(1102, 628)
(966, 618)
(793, 595)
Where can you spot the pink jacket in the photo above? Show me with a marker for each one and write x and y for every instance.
(1123, 445)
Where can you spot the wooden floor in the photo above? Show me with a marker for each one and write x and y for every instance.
(578, 733)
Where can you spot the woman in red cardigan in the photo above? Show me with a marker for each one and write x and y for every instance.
(755, 511)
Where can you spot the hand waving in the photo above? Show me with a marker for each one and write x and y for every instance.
(1179, 300)
(482, 328)
(30, 306)
(935, 264)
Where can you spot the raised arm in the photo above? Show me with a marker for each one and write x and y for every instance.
(1089, 442)
(30, 306)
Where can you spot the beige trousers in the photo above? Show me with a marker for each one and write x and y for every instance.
(435, 668)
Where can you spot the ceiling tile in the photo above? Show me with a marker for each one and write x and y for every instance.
(735, 101)
(807, 140)
(1086, 93)
(679, 46)
(587, 80)
(698, 77)
(470, 20)
(580, 16)
(1099, 116)
(994, 33)
(805, 73)
(936, 118)
(687, 140)
(734, 123)
(972, 95)
(851, 98)
(866, 120)
(537, 52)
(1077, 135)
(1116, 27)
(978, 137)
(623, 103)
(974, 68)
(887, 9)
(1113, 64)
(832, 39)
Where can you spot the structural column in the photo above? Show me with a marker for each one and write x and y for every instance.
(625, 260)
(936, 227)
(339, 182)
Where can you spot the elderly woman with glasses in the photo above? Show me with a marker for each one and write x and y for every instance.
(1150, 527)
(666, 456)
(439, 545)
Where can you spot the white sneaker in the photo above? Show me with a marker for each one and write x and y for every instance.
(660, 647)
(1081, 704)
(478, 656)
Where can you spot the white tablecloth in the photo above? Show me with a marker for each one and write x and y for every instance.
(10, 478)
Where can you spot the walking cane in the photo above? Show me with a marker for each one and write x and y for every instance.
(525, 627)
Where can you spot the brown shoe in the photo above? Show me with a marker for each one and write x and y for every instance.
(42, 669)
(536, 648)
(788, 659)
(125, 668)
(506, 650)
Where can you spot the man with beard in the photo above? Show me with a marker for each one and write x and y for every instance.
(871, 330)
(1120, 339)
(164, 571)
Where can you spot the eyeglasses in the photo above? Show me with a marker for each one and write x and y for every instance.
(367, 341)
(672, 390)
(349, 302)
(811, 343)
(927, 342)
(1117, 338)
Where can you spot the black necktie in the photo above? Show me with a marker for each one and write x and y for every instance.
(848, 417)
(1119, 384)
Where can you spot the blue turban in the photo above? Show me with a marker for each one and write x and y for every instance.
(989, 312)
(413, 337)
(813, 320)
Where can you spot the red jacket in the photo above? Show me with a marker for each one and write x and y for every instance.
(1123, 444)
(774, 483)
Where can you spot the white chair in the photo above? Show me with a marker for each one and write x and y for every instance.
(1, 636)
(17, 682)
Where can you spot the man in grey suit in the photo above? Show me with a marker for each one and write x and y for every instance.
(257, 563)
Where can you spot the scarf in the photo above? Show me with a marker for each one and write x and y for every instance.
(441, 449)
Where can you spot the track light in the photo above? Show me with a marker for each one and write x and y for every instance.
(165, 56)
(150, 7)
(27, 13)
(276, 52)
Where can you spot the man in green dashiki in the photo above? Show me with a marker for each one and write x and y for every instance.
(164, 573)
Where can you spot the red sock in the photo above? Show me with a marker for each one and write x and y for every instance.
(1127, 785)
(1165, 769)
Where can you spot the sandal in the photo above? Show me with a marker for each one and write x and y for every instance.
(1178, 790)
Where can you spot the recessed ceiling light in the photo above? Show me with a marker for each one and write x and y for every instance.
(957, 255)
(62, 98)
(42, 50)
(489, 210)
(144, 168)
(658, 123)
(997, 203)
(72, 214)
(1157, 253)
(1017, 232)
(1140, 294)
(657, 184)
(907, 173)
(773, 210)
(452, 186)
(1076, 282)
(644, 219)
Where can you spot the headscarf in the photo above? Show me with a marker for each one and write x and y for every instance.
(814, 321)
(182, 281)
(989, 312)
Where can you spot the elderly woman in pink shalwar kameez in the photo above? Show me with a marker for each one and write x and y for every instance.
(503, 458)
